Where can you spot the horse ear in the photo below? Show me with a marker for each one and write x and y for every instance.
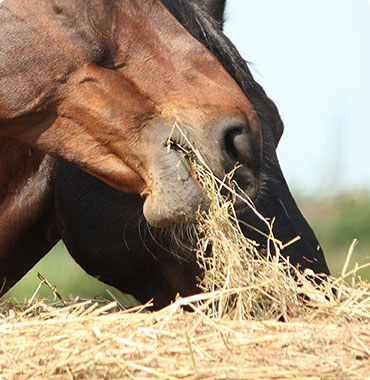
(214, 8)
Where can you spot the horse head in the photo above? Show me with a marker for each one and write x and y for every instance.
(101, 85)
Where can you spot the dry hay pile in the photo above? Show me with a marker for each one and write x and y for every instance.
(172, 344)
(236, 329)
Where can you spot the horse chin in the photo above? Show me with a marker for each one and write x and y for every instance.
(175, 198)
(163, 209)
(157, 217)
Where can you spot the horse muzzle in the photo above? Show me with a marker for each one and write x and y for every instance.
(174, 193)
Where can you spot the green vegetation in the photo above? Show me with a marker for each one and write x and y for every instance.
(59, 268)
(336, 222)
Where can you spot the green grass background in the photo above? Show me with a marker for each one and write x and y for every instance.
(336, 222)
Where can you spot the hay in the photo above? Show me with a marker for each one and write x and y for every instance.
(56, 343)
(266, 286)
(234, 331)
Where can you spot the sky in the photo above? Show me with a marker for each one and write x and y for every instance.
(313, 59)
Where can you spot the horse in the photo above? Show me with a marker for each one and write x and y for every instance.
(100, 85)
(104, 229)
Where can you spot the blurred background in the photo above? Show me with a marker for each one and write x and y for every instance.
(313, 59)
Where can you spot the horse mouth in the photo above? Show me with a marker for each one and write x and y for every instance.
(178, 189)
(240, 184)
(173, 194)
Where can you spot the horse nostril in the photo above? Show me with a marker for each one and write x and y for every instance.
(242, 148)
(239, 146)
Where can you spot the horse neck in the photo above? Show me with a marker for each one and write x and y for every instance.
(28, 227)
(24, 173)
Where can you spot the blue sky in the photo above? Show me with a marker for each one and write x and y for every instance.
(313, 59)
